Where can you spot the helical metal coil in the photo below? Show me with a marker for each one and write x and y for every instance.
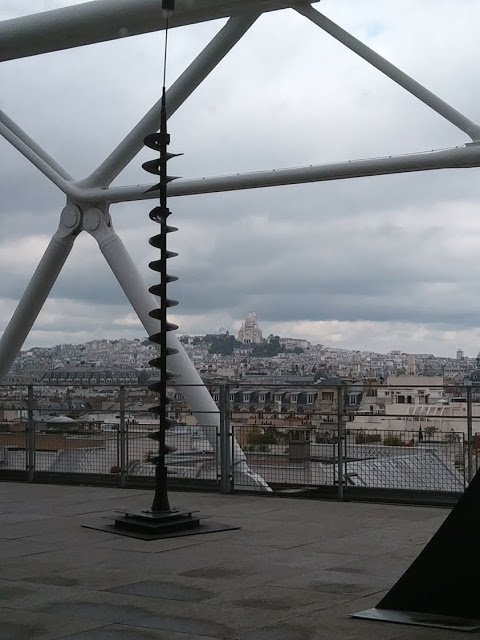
(159, 214)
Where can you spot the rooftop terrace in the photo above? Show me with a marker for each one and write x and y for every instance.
(294, 571)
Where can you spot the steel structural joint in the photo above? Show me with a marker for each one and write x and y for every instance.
(71, 220)
(83, 216)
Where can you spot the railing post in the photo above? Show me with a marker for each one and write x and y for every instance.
(30, 436)
(122, 439)
(340, 442)
(226, 470)
(470, 473)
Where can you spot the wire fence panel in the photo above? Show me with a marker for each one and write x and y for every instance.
(376, 460)
(287, 456)
(193, 455)
(67, 450)
(13, 450)
(397, 460)
(285, 437)
(194, 444)
(13, 429)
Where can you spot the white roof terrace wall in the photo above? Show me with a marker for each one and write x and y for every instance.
(103, 20)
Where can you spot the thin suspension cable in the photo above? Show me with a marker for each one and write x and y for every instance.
(165, 52)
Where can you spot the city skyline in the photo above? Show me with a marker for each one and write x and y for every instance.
(222, 330)
(373, 264)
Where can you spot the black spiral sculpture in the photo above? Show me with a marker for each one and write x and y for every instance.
(159, 214)
(161, 520)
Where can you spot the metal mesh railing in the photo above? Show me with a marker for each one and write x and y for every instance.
(287, 456)
(398, 460)
(194, 455)
(13, 449)
(13, 430)
(375, 459)
(195, 441)
(277, 437)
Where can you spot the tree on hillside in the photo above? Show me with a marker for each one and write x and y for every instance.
(223, 344)
(268, 349)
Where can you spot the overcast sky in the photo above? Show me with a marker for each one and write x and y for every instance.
(375, 263)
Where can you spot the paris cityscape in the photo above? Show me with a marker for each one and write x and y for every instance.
(400, 409)
(265, 426)
(231, 356)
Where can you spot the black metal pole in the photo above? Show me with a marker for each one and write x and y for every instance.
(160, 214)
(160, 141)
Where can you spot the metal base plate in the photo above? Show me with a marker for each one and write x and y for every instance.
(419, 619)
(207, 527)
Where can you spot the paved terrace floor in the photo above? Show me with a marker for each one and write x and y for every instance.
(295, 570)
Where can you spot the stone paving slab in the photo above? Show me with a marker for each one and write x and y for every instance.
(29, 625)
(295, 570)
(128, 632)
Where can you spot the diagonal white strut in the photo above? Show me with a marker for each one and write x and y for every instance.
(394, 73)
(181, 89)
(49, 268)
(38, 288)
(29, 145)
(30, 150)
(189, 382)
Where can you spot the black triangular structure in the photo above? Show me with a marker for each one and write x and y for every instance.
(440, 588)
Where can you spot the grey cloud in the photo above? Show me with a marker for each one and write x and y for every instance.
(347, 250)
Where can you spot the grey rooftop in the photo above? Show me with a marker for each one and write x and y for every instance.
(295, 570)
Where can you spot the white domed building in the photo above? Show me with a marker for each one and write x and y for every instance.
(250, 332)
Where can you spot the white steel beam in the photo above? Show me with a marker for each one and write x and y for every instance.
(103, 20)
(412, 86)
(190, 384)
(456, 158)
(181, 89)
(33, 146)
(41, 161)
(38, 288)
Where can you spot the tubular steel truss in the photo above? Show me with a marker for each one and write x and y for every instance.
(88, 200)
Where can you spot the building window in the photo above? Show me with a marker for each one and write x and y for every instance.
(310, 398)
(327, 396)
(278, 397)
(232, 397)
(216, 396)
(246, 397)
(401, 399)
(261, 397)
(294, 398)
